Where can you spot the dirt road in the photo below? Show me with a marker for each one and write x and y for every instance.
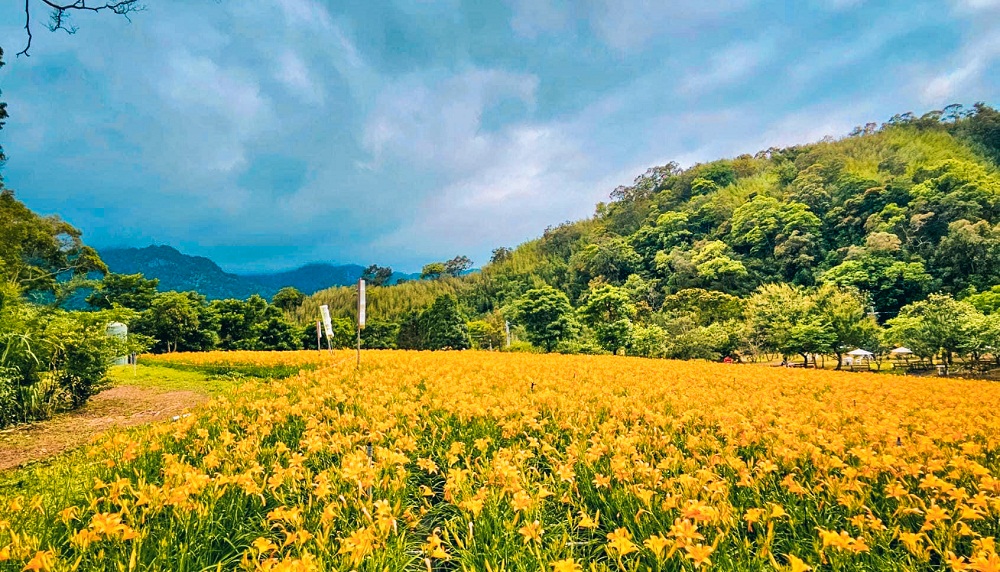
(120, 406)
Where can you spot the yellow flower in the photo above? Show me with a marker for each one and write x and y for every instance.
(435, 547)
(656, 544)
(531, 532)
(621, 542)
(588, 522)
(795, 564)
(41, 561)
(699, 554)
(566, 565)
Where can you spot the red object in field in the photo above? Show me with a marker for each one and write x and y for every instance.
(727, 360)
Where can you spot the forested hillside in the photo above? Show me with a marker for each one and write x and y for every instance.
(887, 215)
(899, 211)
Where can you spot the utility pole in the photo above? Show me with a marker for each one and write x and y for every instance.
(361, 315)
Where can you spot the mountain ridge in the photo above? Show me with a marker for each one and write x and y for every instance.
(178, 271)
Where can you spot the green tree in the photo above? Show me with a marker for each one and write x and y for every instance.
(705, 306)
(253, 324)
(764, 223)
(546, 315)
(939, 324)
(275, 333)
(648, 340)
(457, 266)
(288, 299)
(969, 255)
(172, 317)
(612, 259)
(847, 318)
(40, 253)
(987, 302)
(376, 275)
(379, 335)
(51, 359)
(771, 313)
(343, 335)
(131, 291)
(500, 254)
(716, 268)
(879, 271)
(948, 191)
(609, 311)
(486, 334)
(983, 128)
(433, 270)
(445, 325)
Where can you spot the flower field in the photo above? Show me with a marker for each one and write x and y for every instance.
(489, 461)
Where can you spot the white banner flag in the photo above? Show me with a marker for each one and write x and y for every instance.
(361, 303)
(327, 324)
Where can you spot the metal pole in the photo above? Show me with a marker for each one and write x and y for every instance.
(359, 347)
(319, 338)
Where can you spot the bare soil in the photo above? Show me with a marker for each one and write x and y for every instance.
(121, 406)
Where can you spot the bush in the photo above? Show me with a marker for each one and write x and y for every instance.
(51, 359)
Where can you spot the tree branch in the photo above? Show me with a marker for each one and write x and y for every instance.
(61, 13)
(27, 28)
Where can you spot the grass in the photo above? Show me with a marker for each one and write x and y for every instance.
(167, 378)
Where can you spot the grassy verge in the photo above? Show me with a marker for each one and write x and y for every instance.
(165, 378)
(236, 371)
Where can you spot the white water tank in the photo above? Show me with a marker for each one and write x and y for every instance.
(120, 331)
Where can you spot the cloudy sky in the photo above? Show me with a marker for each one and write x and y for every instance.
(271, 133)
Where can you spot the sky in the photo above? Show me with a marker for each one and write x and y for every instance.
(273, 133)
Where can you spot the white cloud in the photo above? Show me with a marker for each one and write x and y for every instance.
(969, 72)
(224, 104)
(532, 18)
(305, 12)
(977, 5)
(631, 24)
(435, 120)
(729, 65)
(295, 75)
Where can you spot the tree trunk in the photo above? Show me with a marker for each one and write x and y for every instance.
(805, 357)
(840, 361)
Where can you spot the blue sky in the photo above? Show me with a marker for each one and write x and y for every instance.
(272, 133)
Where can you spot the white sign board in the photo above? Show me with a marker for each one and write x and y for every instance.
(361, 303)
(327, 324)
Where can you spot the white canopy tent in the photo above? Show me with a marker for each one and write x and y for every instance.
(860, 353)
(901, 351)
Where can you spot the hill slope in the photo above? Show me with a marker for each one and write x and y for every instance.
(898, 211)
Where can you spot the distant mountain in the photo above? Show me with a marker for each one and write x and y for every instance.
(181, 272)
(319, 276)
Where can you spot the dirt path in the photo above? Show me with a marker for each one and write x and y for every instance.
(120, 406)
